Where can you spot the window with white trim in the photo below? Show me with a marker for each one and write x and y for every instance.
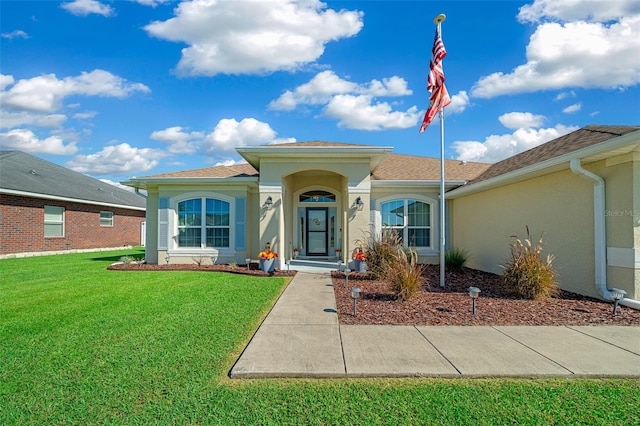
(106, 219)
(53, 221)
(203, 222)
(411, 219)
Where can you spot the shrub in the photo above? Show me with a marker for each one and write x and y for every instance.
(404, 274)
(455, 259)
(380, 250)
(527, 273)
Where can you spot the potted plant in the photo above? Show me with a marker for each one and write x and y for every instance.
(360, 261)
(338, 253)
(296, 252)
(268, 259)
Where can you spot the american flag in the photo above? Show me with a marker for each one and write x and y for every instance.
(439, 97)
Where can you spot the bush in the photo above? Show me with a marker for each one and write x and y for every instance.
(404, 274)
(527, 274)
(380, 250)
(455, 259)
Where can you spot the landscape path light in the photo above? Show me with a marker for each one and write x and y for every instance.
(248, 261)
(474, 292)
(214, 259)
(346, 276)
(167, 258)
(355, 295)
(617, 295)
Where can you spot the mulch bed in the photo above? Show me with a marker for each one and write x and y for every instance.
(240, 269)
(453, 306)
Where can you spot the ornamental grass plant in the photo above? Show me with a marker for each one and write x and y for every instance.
(404, 274)
(528, 273)
(455, 259)
(380, 250)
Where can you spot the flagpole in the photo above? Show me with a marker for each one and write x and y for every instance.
(438, 21)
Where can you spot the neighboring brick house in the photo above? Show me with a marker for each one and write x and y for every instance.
(48, 208)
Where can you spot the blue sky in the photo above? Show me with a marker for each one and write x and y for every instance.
(116, 89)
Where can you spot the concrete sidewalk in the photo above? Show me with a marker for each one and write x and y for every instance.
(301, 337)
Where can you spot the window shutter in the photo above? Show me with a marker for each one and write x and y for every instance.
(163, 223)
(241, 223)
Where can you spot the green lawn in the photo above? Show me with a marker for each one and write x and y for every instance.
(83, 345)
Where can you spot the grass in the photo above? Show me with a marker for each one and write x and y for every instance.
(83, 345)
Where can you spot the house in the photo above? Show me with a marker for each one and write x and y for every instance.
(320, 197)
(48, 208)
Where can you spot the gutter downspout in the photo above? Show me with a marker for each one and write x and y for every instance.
(600, 233)
(139, 193)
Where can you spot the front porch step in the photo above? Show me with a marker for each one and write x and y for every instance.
(324, 262)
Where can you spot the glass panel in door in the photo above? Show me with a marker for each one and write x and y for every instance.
(317, 231)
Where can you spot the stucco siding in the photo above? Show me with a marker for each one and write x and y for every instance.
(560, 205)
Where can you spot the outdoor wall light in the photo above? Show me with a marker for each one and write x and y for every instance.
(346, 275)
(355, 295)
(268, 202)
(248, 262)
(359, 204)
(474, 292)
(617, 295)
(167, 258)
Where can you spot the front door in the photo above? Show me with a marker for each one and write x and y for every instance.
(317, 231)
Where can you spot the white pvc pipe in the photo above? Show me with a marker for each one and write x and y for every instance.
(600, 233)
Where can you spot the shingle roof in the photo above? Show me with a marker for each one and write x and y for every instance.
(581, 138)
(26, 173)
(236, 170)
(393, 167)
(411, 167)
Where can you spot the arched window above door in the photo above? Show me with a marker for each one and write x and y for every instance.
(317, 197)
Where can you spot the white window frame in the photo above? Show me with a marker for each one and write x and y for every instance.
(50, 221)
(107, 222)
(422, 250)
(203, 249)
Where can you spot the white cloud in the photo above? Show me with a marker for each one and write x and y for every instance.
(180, 142)
(459, 103)
(573, 108)
(359, 112)
(45, 93)
(117, 184)
(6, 80)
(517, 120)
(571, 10)
(152, 3)
(116, 159)
(574, 54)
(25, 140)
(10, 120)
(230, 133)
(326, 84)
(498, 147)
(563, 95)
(85, 115)
(245, 37)
(87, 7)
(15, 34)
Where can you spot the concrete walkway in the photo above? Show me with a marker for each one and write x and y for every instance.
(301, 337)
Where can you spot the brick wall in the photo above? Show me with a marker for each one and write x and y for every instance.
(22, 226)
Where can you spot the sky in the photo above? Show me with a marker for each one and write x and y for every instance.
(117, 89)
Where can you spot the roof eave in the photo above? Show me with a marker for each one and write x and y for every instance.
(416, 183)
(592, 153)
(253, 154)
(68, 199)
(145, 183)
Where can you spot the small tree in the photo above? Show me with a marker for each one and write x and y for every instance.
(527, 273)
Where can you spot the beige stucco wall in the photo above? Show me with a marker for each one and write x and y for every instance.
(560, 205)
(283, 179)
